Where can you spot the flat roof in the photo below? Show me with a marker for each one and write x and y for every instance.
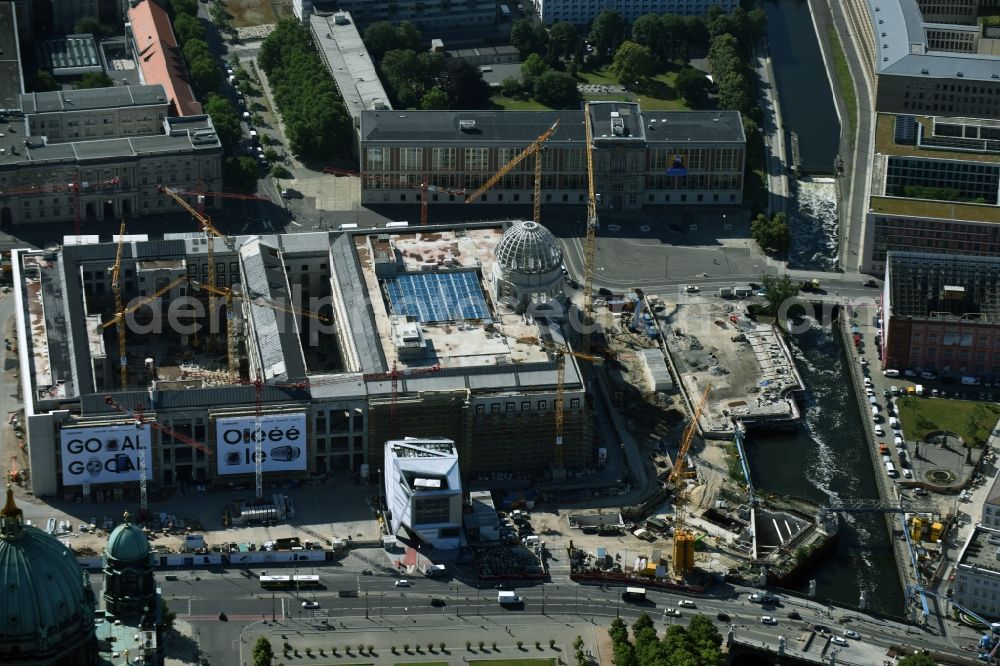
(71, 51)
(93, 98)
(981, 549)
(943, 286)
(901, 46)
(11, 79)
(523, 127)
(348, 61)
(939, 210)
(885, 143)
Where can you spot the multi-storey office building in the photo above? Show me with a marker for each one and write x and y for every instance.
(935, 188)
(413, 301)
(95, 113)
(640, 158)
(977, 573)
(942, 313)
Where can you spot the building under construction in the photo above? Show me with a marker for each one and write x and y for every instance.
(942, 313)
(320, 346)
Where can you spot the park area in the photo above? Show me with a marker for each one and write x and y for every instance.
(973, 421)
(245, 13)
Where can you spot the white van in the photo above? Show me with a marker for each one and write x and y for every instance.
(891, 470)
(894, 423)
(347, 227)
(508, 598)
(891, 373)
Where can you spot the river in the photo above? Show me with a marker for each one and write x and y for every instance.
(803, 88)
(824, 459)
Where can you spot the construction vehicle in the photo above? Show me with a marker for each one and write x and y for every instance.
(142, 419)
(561, 351)
(534, 149)
(810, 285)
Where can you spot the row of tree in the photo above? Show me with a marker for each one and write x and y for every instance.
(420, 79)
(699, 644)
(317, 124)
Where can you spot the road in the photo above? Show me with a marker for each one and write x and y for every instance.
(199, 596)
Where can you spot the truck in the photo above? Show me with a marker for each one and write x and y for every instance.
(508, 598)
(725, 292)
(743, 292)
(435, 570)
(634, 594)
(810, 285)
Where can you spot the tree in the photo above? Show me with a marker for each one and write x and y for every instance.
(203, 70)
(226, 121)
(464, 85)
(44, 81)
(916, 659)
(564, 41)
(188, 27)
(607, 32)
(94, 80)
(92, 26)
(409, 75)
(511, 87)
(167, 616)
(179, 7)
(434, 99)
(240, 173)
(696, 33)
(772, 235)
(556, 89)
(524, 37)
(779, 289)
(262, 654)
(380, 38)
(407, 36)
(271, 155)
(278, 171)
(693, 86)
(533, 67)
(649, 30)
(633, 65)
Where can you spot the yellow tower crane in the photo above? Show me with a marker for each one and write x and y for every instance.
(225, 292)
(210, 231)
(590, 241)
(121, 314)
(561, 351)
(684, 540)
(116, 287)
(534, 149)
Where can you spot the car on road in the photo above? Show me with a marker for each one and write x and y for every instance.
(767, 619)
(794, 615)
(402, 582)
(755, 598)
(437, 603)
(686, 603)
(310, 604)
(850, 633)
(821, 629)
(367, 572)
(692, 289)
(676, 612)
(838, 640)
(722, 617)
(573, 283)
(871, 283)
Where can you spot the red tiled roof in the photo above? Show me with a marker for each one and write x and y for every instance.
(159, 57)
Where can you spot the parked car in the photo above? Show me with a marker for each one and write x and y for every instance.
(402, 582)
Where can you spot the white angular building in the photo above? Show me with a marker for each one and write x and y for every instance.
(423, 490)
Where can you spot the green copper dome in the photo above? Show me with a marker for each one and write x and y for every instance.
(127, 543)
(43, 599)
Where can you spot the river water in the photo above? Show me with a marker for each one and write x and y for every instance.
(825, 459)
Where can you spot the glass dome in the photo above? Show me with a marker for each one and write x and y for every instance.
(528, 247)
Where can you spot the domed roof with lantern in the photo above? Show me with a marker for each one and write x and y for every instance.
(528, 247)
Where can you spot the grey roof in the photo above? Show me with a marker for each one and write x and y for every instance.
(901, 46)
(349, 63)
(218, 396)
(276, 331)
(345, 270)
(11, 78)
(186, 135)
(605, 115)
(509, 127)
(522, 127)
(93, 98)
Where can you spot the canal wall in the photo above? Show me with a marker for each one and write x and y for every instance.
(886, 489)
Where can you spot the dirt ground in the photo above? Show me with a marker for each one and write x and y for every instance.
(250, 12)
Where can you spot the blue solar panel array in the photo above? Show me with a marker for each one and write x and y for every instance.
(432, 297)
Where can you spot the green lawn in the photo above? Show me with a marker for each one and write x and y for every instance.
(971, 420)
(422, 663)
(602, 76)
(511, 104)
(844, 83)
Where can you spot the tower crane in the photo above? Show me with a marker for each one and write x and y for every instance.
(225, 292)
(678, 471)
(535, 148)
(590, 241)
(120, 320)
(260, 299)
(75, 188)
(141, 419)
(677, 474)
(121, 314)
(210, 231)
(561, 351)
